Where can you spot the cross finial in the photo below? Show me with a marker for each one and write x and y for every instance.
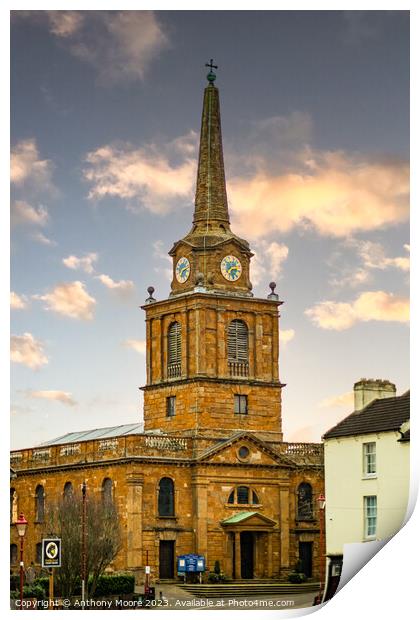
(211, 76)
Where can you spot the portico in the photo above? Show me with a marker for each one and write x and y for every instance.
(249, 540)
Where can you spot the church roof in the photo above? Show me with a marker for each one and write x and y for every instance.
(96, 433)
(381, 415)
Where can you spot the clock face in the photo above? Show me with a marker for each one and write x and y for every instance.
(182, 270)
(231, 268)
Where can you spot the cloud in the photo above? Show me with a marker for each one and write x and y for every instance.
(56, 395)
(39, 237)
(272, 189)
(342, 400)
(122, 286)
(145, 176)
(28, 351)
(333, 193)
(85, 263)
(369, 306)
(137, 345)
(372, 257)
(268, 260)
(65, 23)
(119, 45)
(286, 335)
(27, 167)
(17, 302)
(24, 213)
(161, 254)
(70, 299)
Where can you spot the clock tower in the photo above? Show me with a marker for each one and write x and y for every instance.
(212, 347)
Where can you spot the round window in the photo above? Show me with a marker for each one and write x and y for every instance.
(243, 452)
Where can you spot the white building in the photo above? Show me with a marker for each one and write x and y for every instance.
(367, 469)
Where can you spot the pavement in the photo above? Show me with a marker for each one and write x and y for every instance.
(171, 596)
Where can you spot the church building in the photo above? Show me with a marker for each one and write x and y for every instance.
(209, 473)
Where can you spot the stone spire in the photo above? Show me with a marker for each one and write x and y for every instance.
(211, 206)
(211, 241)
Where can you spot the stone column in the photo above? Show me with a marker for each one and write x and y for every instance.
(284, 527)
(270, 554)
(259, 330)
(257, 568)
(199, 486)
(237, 555)
(221, 365)
(134, 520)
(275, 348)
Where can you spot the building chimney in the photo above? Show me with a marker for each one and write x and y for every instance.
(367, 390)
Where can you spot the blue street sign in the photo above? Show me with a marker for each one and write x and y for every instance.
(191, 563)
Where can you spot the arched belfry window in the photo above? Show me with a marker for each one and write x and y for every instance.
(304, 502)
(237, 343)
(39, 504)
(174, 350)
(166, 503)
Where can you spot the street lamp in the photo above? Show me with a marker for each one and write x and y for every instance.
(21, 524)
(321, 506)
(84, 491)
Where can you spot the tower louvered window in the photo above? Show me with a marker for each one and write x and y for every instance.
(174, 350)
(238, 348)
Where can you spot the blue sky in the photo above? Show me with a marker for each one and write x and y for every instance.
(105, 119)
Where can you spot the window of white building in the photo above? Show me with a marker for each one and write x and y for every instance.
(369, 458)
(370, 513)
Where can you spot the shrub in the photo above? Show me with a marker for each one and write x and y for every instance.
(34, 592)
(44, 582)
(115, 583)
(14, 582)
(296, 577)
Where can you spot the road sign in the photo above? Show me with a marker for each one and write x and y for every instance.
(51, 552)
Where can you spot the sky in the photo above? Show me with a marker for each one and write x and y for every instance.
(105, 119)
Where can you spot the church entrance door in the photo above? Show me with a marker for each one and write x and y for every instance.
(247, 555)
(305, 556)
(166, 559)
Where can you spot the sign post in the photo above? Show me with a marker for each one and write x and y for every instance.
(51, 558)
(51, 589)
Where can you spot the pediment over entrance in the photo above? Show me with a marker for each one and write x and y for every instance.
(249, 520)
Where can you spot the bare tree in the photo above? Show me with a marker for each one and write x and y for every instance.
(64, 519)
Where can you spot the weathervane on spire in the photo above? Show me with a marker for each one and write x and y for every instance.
(210, 75)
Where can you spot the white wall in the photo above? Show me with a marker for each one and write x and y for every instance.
(345, 486)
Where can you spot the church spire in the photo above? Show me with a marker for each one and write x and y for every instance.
(211, 258)
(211, 205)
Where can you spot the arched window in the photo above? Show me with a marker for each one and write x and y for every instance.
(304, 502)
(237, 346)
(39, 504)
(107, 491)
(13, 506)
(166, 504)
(38, 553)
(174, 350)
(68, 491)
(13, 554)
(243, 495)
